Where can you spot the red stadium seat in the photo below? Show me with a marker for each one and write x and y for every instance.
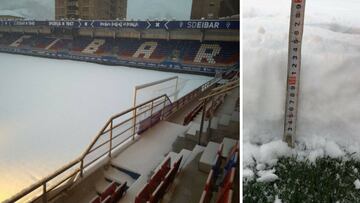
(110, 189)
(226, 186)
(158, 193)
(209, 181)
(107, 200)
(96, 199)
(119, 192)
(154, 190)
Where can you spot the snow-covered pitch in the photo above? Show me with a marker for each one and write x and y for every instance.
(329, 107)
(50, 110)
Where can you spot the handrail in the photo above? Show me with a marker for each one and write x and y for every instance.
(166, 110)
(220, 92)
(217, 91)
(117, 116)
(43, 181)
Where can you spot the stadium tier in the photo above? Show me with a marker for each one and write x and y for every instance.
(207, 57)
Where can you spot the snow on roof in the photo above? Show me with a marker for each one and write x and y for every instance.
(10, 13)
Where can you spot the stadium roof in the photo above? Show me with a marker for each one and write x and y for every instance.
(10, 13)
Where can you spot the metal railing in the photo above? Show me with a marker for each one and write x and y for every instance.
(118, 130)
(215, 92)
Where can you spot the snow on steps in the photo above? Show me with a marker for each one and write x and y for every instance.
(197, 150)
(235, 116)
(194, 128)
(174, 157)
(224, 120)
(209, 155)
(142, 180)
(134, 189)
(112, 174)
(118, 176)
(52, 44)
(192, 132)
(190, 156)
(101, 185)
(228, 144)
(185, 153)
(18, 42)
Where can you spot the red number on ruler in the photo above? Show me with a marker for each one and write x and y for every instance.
(292, 80)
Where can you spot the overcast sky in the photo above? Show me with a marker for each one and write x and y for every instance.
(137, 9)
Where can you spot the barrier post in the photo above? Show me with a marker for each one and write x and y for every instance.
(111, 130)
(202, 120)
(176, 87)
(82, 167)
(163, 109)
(134, 113)
(44, 197)
(151, 111)
(210, 118)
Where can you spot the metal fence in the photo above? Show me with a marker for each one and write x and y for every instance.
(118, 130)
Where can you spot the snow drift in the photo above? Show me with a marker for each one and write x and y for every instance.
(329, 107)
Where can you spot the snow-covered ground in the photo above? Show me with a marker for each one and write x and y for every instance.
(329, 107)
(50, 110)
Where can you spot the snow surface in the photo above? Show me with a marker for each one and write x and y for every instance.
(50, 110)
(357, 184)
(267, 176)
(248, 174)
(277, 200)
(329, 107)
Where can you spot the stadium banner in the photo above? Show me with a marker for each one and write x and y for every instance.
(167, 25)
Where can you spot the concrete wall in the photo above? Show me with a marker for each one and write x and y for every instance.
(35, 30)
(222, 35)
(154, 34)
(186, 34)
(128, 33)
(180, 34)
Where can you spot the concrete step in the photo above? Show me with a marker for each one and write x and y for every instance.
(173, 157)
(185, 153)
(52, 44)
(214, 123)
(194, 126)
(235, 116)
(208, 157)
(197, 150)
(19, 41)
(118, 176)
(193, 132)
(101, 185)
(228, 143)
(224, 120)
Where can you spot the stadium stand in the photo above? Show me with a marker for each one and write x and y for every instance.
(187, 52)
(111, 194)
(186, 171)
(222, 172)
(158, 184)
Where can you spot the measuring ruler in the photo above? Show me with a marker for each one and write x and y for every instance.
(294, 64)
